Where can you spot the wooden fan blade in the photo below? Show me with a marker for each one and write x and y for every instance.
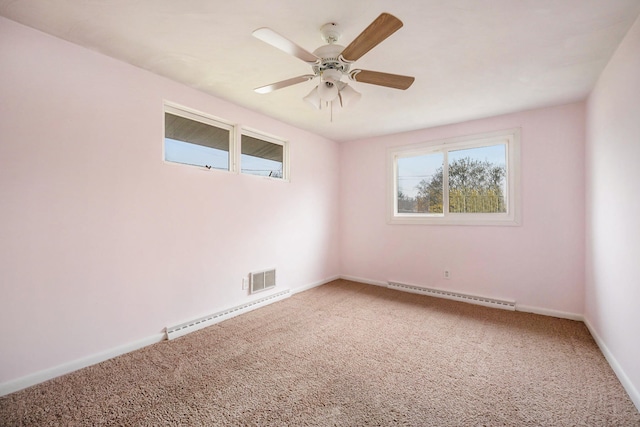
(284, 83)
(269, 36)
(381, 28)
(395, 81)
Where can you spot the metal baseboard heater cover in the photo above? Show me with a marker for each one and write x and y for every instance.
(440, 293)
(202, 322)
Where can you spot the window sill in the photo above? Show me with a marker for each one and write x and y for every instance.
(476, 220)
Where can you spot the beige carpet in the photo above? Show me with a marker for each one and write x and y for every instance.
(347, 354)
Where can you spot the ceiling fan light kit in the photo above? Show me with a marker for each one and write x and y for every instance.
(348, 96)
(313, 98)
(332, 61)
(327, 91)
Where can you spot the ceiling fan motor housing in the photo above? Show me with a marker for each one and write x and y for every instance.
(330, 59)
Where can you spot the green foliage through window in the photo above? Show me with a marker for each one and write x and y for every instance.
(457, 180)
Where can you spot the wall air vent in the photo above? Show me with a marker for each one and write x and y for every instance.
(263, 280)
(473, 299)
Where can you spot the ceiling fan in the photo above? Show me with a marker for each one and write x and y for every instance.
(332, 61)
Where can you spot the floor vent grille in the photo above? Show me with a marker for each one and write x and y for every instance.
(473, 299)
(194, 325)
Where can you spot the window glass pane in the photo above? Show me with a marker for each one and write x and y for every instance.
(194, 154)
(195, 143)
(260, 157)
(477, 181)
(420, 184)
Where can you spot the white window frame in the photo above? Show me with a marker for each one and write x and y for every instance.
(267, 138)
(207, 119)
(512, 217)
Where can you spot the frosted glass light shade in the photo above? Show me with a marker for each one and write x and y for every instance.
(327, 91)
(349, 96)
(313, 98)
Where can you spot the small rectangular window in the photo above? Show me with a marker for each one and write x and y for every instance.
(196, 140)
(262, 155)
(470, 180)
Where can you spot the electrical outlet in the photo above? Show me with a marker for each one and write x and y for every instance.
(245, 283)
(446, 274)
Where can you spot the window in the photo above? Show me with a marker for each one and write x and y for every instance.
(197, 140)
(262, 155)
(466, 181)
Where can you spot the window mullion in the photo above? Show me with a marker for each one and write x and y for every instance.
(445, 183)
(396, 185)
(235, 151)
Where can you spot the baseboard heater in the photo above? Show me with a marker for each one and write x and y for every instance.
(473, 299)
(194, 325)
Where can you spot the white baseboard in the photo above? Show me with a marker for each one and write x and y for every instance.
(74, 365)
(47, 374)
(56, 371)
(549, 312)
(630, 388)
(519, 307)
(314, 285)
(365, 281)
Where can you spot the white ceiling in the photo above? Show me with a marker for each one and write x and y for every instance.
(470, 58)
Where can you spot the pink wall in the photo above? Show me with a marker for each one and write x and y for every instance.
(102, 243)
(539, 264)
(613, 211)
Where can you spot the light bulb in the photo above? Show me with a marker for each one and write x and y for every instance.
(327, 91)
